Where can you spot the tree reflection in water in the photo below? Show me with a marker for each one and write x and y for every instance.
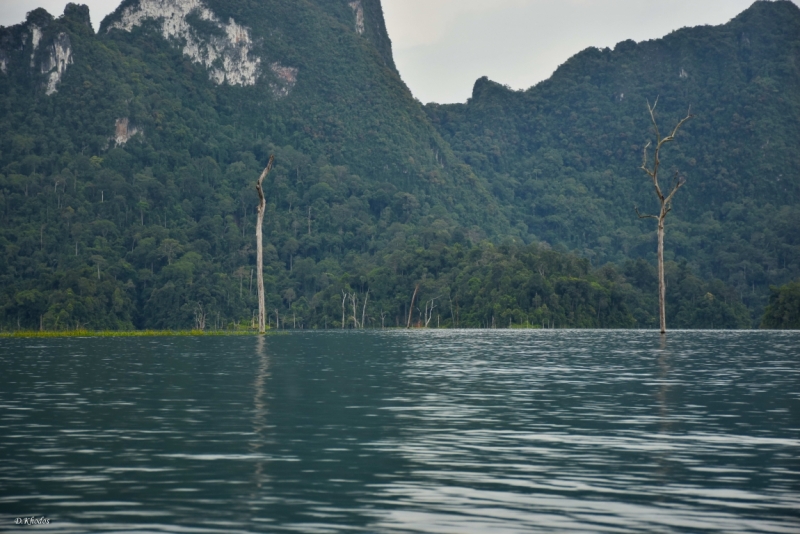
(260, 411)
(664, 415)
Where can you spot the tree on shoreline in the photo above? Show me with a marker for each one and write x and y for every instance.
(783, 311)
(665, 202)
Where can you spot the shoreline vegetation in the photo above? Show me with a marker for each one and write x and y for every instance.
(206, 333)
(32, 334)
(128, 333)
(219, 333)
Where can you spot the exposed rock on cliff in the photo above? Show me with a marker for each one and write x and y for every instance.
(123, 131)
(36, 37)
(55, 63)
(227, 54)
(286, 79)
(358, 9)
(40, 45)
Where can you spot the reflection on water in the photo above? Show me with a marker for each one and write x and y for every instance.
(664, 411)
(435, 431)
(260, 410)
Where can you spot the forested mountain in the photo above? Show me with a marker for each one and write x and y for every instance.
(564, 156)
(128, 160)
(134, 152)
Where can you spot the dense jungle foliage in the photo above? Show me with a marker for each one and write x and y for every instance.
(783, 311)
(366, 203)
(565, 154)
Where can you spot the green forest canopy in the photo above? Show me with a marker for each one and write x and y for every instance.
(508, 210)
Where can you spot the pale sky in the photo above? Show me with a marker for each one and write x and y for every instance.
(442, 46)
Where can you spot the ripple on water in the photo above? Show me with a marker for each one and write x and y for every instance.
(422, 431)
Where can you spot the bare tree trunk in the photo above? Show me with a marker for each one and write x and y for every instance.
(411, 310)
(200, 318)
(354, 302)
(662, 286)
(344, 299)
(665, 205)
(364, 309)
(262, 206)
(429, 312)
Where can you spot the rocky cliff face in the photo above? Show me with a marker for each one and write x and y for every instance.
(226, 53)
(358, 11)
(58, 56)
(317, 74)
(369, 22)
(124, 130)
(39, 49)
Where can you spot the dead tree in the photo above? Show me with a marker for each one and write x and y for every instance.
(262, 206)
(354, 301)
(411, 310)
(664, 200)
(429, 307)
(200, 318)
(364, 309)
(344, 299)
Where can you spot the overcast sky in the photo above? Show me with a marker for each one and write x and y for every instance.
(442, 46)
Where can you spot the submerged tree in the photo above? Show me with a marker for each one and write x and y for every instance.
(262, 205)
(665, 201)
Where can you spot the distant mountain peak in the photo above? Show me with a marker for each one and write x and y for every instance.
(42, 46)
(79, 13)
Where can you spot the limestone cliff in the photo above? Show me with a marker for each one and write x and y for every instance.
(57, 58)
(228, 54)
(375, 30)
(40, 48)
(189, 76)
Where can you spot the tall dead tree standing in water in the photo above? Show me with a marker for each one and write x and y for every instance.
(665, 201)
(262, 206)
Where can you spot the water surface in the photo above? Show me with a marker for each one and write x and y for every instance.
(423, 431)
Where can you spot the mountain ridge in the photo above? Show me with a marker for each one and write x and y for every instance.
(583, 130)
(128, 200)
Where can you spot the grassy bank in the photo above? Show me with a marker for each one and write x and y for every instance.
(130, 333)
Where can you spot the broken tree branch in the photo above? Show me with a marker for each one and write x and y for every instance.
(644, 216)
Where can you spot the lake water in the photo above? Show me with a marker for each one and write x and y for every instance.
(395, 431)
